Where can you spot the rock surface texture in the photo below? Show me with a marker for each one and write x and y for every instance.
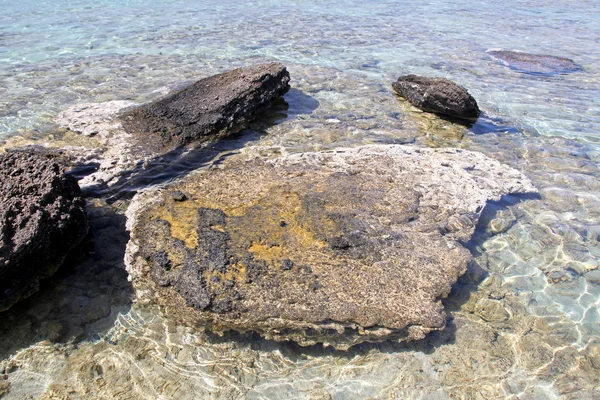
(209, 107)
(437, 95)
(337, 247)
(42, 218)
(537, 64)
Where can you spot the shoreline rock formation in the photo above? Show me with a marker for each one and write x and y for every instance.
(42, 219)
(535, 64)
(438, 96)
(131, 136)
(336, 247)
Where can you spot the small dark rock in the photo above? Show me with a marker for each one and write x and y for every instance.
(437, 95)
(178, 195)
(286, 265)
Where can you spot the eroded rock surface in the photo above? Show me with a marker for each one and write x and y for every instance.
(42, 218)
(535, 63)
(437, 95)
(338, 247)
(132, 138)
(209, 107)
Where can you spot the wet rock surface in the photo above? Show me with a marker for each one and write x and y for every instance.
(336, 247)
(537, 64)
(42, 219)
(208, 108)
(437, 95)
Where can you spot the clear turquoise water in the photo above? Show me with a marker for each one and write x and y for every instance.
(525, 321)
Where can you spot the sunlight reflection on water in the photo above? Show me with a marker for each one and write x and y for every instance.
(524, 321)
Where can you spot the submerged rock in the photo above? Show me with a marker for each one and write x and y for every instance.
(208, 108)
(537, 64)
(336, 247)
(42, 218)
(437, 95)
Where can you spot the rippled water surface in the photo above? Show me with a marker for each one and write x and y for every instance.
(524, 322)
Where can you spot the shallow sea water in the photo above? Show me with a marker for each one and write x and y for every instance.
(524, 322)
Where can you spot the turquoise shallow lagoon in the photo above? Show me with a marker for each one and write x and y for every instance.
(524, 322)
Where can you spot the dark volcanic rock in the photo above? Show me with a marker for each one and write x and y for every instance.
(536, 64)
(42, 218)
(336, 247)
(210, 107)
(437, 95)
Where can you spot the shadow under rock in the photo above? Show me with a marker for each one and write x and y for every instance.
(300, 103)
(83, 299)
(294, 352)
(483, 125)
(490, 224)
(484, 229)
(488, 124)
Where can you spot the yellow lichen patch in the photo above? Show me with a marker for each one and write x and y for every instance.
(219, 197)
(277, 242)
(230, 211)
(183, 218)
(305, 238)
(236, 272)
(267, 253)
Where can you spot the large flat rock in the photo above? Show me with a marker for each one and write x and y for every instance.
(42, 217)
(336, 247)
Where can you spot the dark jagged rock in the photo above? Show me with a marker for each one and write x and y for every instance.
(536, 64)
(42, 217)
(437, 95)
(336, 247)
(210, 107)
